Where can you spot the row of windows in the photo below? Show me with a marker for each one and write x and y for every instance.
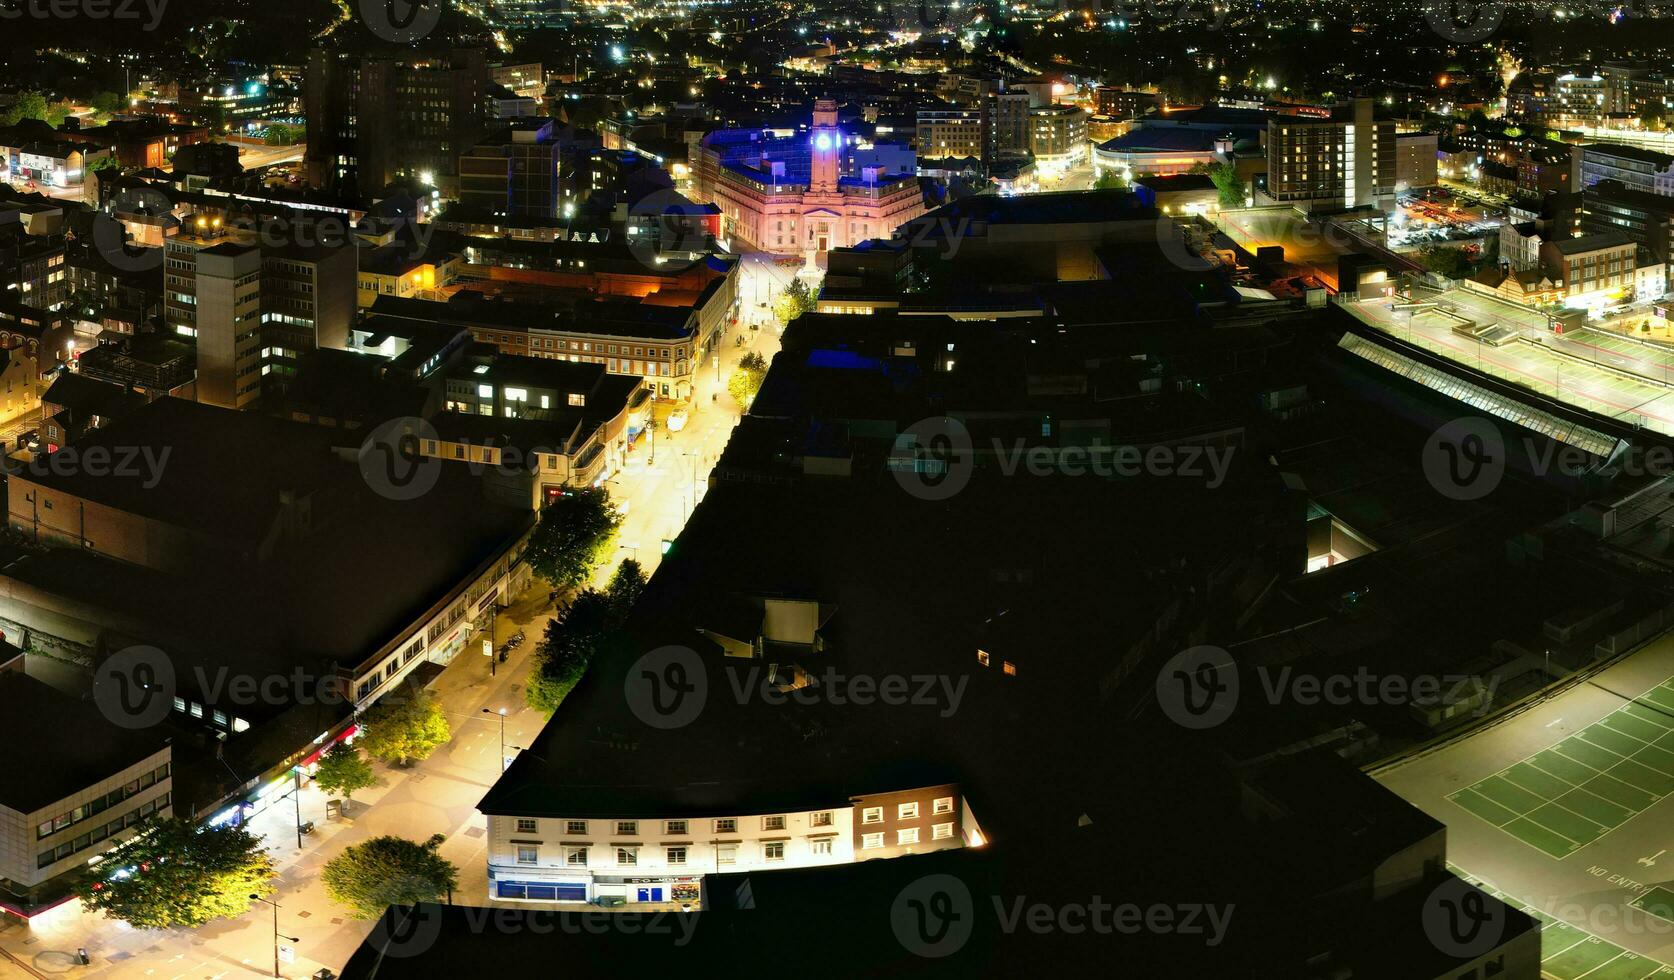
(101, 832)
(103, 803)
(630, 828)
(220, 718)
(628, 857)
(906, 811)
(940, 831)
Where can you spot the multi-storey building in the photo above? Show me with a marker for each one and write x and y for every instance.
(662, 344)
(1593, 269)
(514, 172)
(1559, 101)
(1648, 219)
(773, 204)
(254, 305)
(1058, 135)
(1415, 161)
(603, 847)
(1007, 136)
(951, 132)
(1348, 160)
(376, 119)
(1636, 169)
(66, 801)
(1123, 104)
(33, 265)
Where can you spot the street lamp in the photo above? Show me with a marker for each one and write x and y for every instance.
(502, 714)
(276, 936)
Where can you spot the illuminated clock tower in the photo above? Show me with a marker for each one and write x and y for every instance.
(827, 148)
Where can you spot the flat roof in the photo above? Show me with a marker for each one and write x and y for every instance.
(71, 745)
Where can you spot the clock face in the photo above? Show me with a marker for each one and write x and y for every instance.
(823, 141)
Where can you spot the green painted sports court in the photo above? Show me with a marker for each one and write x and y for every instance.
(1565, 797)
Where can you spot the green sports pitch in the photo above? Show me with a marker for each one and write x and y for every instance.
(1568, 953)
(1563, 798)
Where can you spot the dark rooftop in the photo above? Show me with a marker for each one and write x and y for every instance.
(86, 748)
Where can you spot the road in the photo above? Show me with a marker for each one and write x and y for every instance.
(438, 795)
(668, 472)
(1591, 887)
(255, 157)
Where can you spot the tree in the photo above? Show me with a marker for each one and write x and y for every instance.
(1109, 180)
(573, 537)
(747, 379)
(1227, 181)
(282, 134)
(27, 105)
(743, 386)
(105, 163)
(368, 878)
(795, 300)
(56, 114)
(625, 588)
(107, 103)
(567, 648)
(344, 770)
(175, 874)
(405, 727)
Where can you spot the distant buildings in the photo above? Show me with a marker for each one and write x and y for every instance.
(254, 302)
(1559, 101)
(375, 119)
(1123, 104)
(1415, 161)
(951, 132)
(1346, 161)
(1058, 136)
(798, 202)
(1635, 169)
(1177, 142)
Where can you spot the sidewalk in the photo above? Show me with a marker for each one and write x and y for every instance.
(438, 795)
